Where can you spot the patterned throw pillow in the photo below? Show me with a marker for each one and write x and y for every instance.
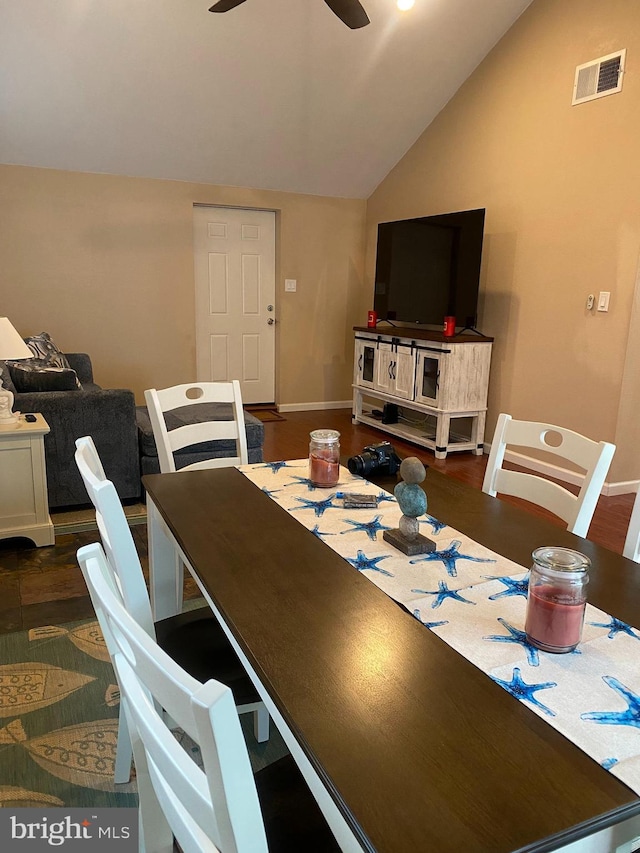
(44, 349)
(35, 375)
(46, 355)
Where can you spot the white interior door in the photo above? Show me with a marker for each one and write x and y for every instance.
(235, 299)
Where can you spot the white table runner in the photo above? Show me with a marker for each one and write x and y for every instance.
(475, 600)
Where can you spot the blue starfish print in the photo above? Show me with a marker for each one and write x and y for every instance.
(629, 717)
(608, 763)
(317, 532)
(616, 626)
(513, 586)
(369, 527)
(385, 496)
(303, 481)
(416, 614)
(449, 556)
(363, 563)
(317, 506)
(436, 526)
(270, 492)
(519, 637)
(443, 592)
(276, 466)
(518, 688)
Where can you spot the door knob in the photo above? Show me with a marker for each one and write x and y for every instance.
(270, 321)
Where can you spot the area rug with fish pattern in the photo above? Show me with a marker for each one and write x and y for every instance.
(59, 706)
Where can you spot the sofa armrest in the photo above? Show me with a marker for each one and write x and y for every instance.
(81, 363)
(108, 416)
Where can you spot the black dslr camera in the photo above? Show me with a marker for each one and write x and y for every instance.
(375, 457)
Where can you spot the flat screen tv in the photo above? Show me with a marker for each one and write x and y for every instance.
(429, 267)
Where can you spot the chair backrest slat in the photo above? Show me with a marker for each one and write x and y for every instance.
(593, 457)
(115, 534)
(160, 402)
(196, 433)
(632, 541)
(217, 805)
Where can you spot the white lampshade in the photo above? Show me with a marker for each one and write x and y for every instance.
(11, 344)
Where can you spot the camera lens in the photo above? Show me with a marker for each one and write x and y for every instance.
(355, 464)
(362, 464)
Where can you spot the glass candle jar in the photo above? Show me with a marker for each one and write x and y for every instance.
(557, 598)
(324, 457)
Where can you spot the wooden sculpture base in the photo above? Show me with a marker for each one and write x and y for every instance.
(410, 546)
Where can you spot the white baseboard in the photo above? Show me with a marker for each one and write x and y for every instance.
(309, 407)
(623, 487)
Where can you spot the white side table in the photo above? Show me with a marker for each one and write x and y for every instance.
(24, 509)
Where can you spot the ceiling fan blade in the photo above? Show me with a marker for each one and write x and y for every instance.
(350, 12)
(225, 5)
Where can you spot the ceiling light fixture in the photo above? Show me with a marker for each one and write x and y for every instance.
(404, 5)
(350, 12)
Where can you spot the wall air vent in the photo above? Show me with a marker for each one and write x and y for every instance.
(599, 77)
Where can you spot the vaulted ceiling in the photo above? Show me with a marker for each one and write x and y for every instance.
(275, 94)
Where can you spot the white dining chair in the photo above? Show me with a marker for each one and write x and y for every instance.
(632, 542)
(221, 807)
(165, 404)
(194, 638)
(593, 457)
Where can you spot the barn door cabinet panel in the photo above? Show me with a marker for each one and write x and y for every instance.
(396, 367)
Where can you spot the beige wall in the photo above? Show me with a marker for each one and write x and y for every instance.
(561, 186)
(105, 265)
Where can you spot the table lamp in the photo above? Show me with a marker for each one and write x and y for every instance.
(11, 347)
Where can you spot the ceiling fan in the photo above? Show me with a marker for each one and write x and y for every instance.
(350, 12)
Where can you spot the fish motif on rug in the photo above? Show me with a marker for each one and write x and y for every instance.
(87, 638)
(13, 733)
(112, 696)
(20, 798)
(28, 687)
(83, 754)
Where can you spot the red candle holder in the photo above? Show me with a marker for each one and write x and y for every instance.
(557, 599)
(324, 458)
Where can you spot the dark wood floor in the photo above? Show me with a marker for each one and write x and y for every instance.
(42, 586)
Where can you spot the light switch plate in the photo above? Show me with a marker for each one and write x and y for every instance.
(290, 284)
(603, 300)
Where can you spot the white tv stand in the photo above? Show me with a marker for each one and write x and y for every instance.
(439, 385)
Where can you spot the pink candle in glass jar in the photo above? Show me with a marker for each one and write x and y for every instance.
(324, 458)
(557, 599)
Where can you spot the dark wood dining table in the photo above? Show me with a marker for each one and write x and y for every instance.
(406, 744)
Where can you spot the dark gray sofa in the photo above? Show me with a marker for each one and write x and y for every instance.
(199, 413)
(122, 434)
(108, 416)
